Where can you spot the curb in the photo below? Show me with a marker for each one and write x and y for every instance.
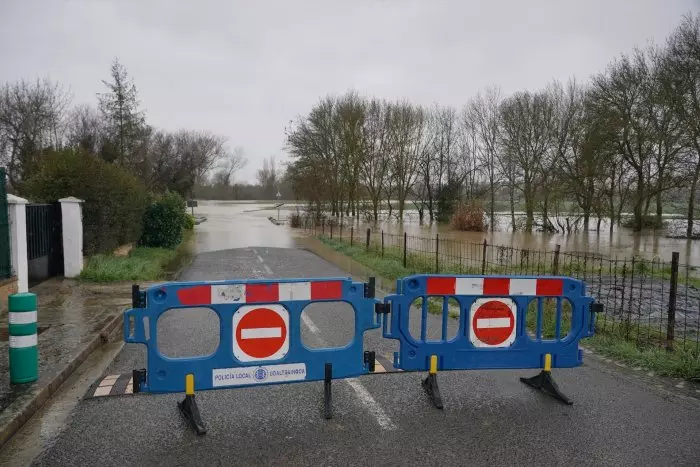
(39, 399)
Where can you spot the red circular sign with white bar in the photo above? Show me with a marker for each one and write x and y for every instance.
(493, 322)
(260, 332)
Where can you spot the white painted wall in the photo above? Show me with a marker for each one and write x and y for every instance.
(72, 220)
(17, 211)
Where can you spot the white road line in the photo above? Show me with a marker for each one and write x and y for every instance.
(360, 390)
(265, 266)
(362, 393)
(310, 324)
(369, 402)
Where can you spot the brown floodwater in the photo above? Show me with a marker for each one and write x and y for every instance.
(236, 225)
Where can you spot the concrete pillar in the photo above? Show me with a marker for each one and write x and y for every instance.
(17, 210)
(72, 220)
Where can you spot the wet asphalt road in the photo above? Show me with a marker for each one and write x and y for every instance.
(489, 417)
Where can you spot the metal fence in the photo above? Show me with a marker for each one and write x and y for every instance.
(5, 262)
(648, 302)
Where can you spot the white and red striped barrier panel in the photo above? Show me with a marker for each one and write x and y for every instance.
(215, 294)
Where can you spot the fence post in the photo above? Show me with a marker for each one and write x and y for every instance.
(352, 231)
(404, 249)
(555, 264)
(483, 259)
(367, 241)
(341, 229)
(331, 223)
(323, 227)
(671, 327)
(382, 244)
(437, 248)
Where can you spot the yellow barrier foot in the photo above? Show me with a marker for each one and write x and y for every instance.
(545, 382)
(189, 408)
(430, 384)
(190, 411)
(327, 395)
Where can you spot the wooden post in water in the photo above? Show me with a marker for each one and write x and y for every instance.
(382, 244)
(352, 232)
(367, 240)
(483, 259)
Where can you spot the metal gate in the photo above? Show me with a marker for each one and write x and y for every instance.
(44, 241)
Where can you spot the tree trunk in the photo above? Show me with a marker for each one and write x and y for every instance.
(659, 209)
(493, 201)
(431, 211)
(639, 203)
(691, 202)
(512, 206)
(597, 227)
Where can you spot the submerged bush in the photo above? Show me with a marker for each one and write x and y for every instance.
(468, 217)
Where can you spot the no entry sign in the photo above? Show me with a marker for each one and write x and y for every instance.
(260, 333)
(493, 322)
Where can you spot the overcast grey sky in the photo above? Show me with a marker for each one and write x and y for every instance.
(245, 69)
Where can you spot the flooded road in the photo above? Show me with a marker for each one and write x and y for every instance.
(237, 225)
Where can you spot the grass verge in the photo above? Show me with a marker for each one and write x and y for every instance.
(142, 264)
(634, 344)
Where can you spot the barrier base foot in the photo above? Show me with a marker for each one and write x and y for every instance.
(545, 383)
(430, 384)
(327, 394)
(190, 411)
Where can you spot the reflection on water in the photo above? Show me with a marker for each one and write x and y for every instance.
(234, 225)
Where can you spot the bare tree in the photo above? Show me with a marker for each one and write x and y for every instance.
(85, 129)
(375, 167)
(31, 119)
(620, 94)
(409, 144)
(683, 64)
(231, 163)
(526, 122)
(483, 115)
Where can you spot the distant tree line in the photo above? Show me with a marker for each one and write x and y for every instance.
(625, 140)
(36, 118)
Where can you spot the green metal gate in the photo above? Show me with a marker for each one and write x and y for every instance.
(5, 263)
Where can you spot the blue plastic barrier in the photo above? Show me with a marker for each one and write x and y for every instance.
(253, 314)
(492, 330)
(502, 322)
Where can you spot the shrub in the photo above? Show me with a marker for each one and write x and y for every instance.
(648, 222)
(115, 200)
(189, 222)
(469, 217)
(164, 221)
(295, 220)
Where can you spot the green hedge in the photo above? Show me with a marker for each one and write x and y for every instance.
(164, 221)
(115, 200)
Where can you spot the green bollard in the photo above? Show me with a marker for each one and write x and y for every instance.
(24, 351)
